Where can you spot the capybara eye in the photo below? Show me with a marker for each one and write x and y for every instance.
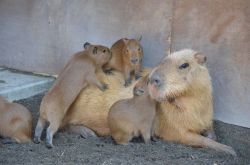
(183, 66)
(139, 49)
(104, 51)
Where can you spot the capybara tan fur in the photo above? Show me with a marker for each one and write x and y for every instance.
(127, 57)
(181, 118)
(182, 84)
(79, 72)
(15, 122)
(133, 117)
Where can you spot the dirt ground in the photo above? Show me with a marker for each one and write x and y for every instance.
(72, 149)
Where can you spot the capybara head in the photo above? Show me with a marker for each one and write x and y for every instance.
(141, 86)
(178, 74)
(100, 54)
(132, 51)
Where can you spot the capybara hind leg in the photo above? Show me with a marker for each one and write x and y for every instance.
(81, 130)
(122, 138)
(39, 129)
(51, 130)
(22, 138)
(196, 140)
(210, 134)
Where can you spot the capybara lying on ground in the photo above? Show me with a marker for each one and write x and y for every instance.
(127, 57)
(133, 117)
(182, 84)
(182, 117)
(79, 72)
(15, 122)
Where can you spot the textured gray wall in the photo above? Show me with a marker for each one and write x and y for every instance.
(221, 30)
(40, 36)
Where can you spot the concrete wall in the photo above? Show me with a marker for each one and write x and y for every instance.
(40, 36)
(221, 30)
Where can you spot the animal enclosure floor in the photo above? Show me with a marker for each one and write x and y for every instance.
(72, 149)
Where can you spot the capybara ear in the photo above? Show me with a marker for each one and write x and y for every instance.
(95, 50)
(139, 38)
(138, 91)
(125, 40)
(200, 58)
(86, 45)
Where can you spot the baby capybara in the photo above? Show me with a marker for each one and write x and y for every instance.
(127, 57)
(133, 117)
(15, 122)
(79, 72)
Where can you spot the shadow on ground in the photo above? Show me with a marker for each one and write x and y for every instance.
(72, 149)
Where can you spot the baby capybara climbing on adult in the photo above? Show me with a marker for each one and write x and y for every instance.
(127, 57)
(79, 72)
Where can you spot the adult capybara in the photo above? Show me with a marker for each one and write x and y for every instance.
(79, 72)
(133, 117)
(181, 118)
(127, 57)
(15, 122)
(182, 84)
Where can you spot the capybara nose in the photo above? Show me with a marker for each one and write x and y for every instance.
(155, 80)
(134, 61)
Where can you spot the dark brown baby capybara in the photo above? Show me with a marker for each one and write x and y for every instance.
(133, 117)
(79, 72)
(127, 57)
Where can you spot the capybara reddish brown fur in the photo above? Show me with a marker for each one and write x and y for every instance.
(127, 57)
(15, 122)
(182, 84)
(133, 117)
(79, 72)
(174, 116)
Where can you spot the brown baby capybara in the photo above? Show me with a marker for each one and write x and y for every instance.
(182, 84)
(15, 122)
(79, 72)
(133, 117)
(127, 57)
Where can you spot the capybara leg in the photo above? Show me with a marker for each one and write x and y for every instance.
(137, 72)
(39, 129)
(210, 134)
(81, 130)
(127, 77)
(22, 138)
(52, 129)
(94, 81)
(145, 135)
(122, 138)
(197, 140)
(107, 70)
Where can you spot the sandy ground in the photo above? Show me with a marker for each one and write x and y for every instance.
(72, 149)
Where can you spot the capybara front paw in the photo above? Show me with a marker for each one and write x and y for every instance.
(36, 140)
(104, 87)
(127, 82)
(108, 72)
(137, 76)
